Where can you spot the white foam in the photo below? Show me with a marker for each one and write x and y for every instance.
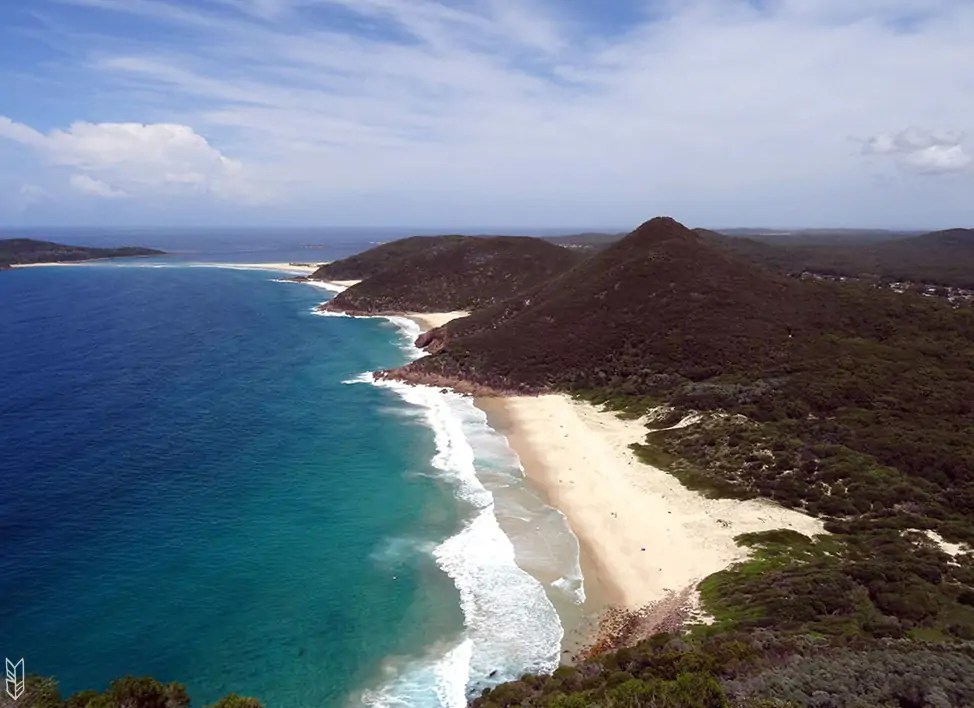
(327, 313)
(395, 551)
(437, 680)
(510, 624)
(322, 285)
(409, 331)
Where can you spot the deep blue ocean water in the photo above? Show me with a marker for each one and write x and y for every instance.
(197, 483)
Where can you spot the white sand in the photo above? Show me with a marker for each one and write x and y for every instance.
(646, 532)
(297, 268)
(951, 549)
(336, 286)
(432, 320)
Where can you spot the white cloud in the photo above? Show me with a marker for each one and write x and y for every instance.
(160, 158)
(924, 151)
(95, 187)
(912, 140)
(938, 158)
(508, 111)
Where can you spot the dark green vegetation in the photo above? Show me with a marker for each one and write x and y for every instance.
(128, 692)
(387, 255)
(877, 619)
(810, 237)
(854, 404)
(446, 273)
(941, 257)
(758, 669)
(793, 237)
(18, 251)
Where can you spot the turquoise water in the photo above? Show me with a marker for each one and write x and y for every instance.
(197, 483)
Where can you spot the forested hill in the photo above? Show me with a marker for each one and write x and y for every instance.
(440, 274)
(19, 251)
(651, 305)
(383, 256)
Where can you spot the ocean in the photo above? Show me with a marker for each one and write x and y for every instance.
(200, 482)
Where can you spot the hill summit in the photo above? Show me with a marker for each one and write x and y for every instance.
(660, 304)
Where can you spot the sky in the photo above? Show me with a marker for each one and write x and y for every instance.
(528, 113)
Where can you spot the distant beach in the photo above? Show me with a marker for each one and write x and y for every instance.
(58, 263)
(297, 268)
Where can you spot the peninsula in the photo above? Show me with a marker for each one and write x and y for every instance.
(26, 251)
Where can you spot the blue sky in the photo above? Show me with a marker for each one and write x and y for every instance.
(487, 112)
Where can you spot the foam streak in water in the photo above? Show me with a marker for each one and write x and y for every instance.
(510, 624)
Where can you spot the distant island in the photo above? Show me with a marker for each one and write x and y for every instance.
(26, 251)
(848, 403)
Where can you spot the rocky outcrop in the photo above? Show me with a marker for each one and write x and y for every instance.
(432, 341)
(461, 386)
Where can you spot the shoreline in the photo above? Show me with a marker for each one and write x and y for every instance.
(579, 622)
(646, 539)
(601, 593)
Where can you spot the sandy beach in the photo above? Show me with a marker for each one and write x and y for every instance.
(645, 534)
(432, 320)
